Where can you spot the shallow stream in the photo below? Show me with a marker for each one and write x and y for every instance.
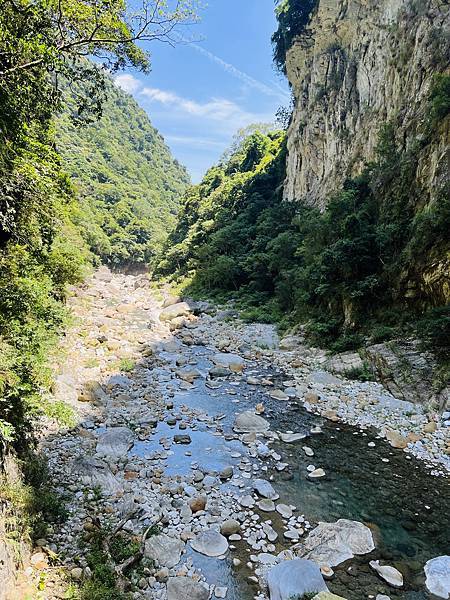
(390, 491)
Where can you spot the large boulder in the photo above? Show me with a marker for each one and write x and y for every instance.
(344, 363)
(291, 342)
(407, 371)
(184, 588)
(396, 439)
(115, 442)
(164, 550)
(210, 543)
(171, 300)
(93, 473)
(331, 544)
(323, 378)
(250, 422)
(293, 579)
(181, 309)
(94, 393)
(437, 572)
(229, 361)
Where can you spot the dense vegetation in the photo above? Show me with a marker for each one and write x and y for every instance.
(128, 184)
(293, 17)
(348, 272)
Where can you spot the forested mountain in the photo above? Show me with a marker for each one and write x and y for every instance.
(128, 184)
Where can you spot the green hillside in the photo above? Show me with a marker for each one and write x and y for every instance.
(291, 263)
(129, 185)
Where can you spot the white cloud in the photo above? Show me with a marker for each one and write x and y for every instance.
(159, 95)
(221, 110)
(127, 82)
(196, 142)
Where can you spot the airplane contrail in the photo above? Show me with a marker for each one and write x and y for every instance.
(244, 77)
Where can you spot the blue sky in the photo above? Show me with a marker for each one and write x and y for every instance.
(199, 94)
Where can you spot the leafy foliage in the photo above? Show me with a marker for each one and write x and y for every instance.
(40, 254)
(30, 503)
(440, 98)
(345, 271)
(128, 184)
(229, 219)
(43, 226)
(293, 16)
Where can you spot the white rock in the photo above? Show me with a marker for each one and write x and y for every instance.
(437, 571)
(284, 510)
(389, 574)
(228, 361)
(210, 543)
(289, 438)
(333, 543)
(293, 579)
(164, 550)
(316, 474)
(181, 309)
(278, 395)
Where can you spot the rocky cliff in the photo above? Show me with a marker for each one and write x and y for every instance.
(358, 65)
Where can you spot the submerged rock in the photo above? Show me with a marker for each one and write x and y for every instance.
(333, 543)
(391, 575)
(266, 505)
(437, 571)
(293, 579)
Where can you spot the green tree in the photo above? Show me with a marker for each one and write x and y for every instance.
(44, 47)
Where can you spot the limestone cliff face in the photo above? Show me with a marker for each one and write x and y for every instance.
(360, 64)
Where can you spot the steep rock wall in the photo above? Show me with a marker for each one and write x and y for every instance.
(359, 65)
